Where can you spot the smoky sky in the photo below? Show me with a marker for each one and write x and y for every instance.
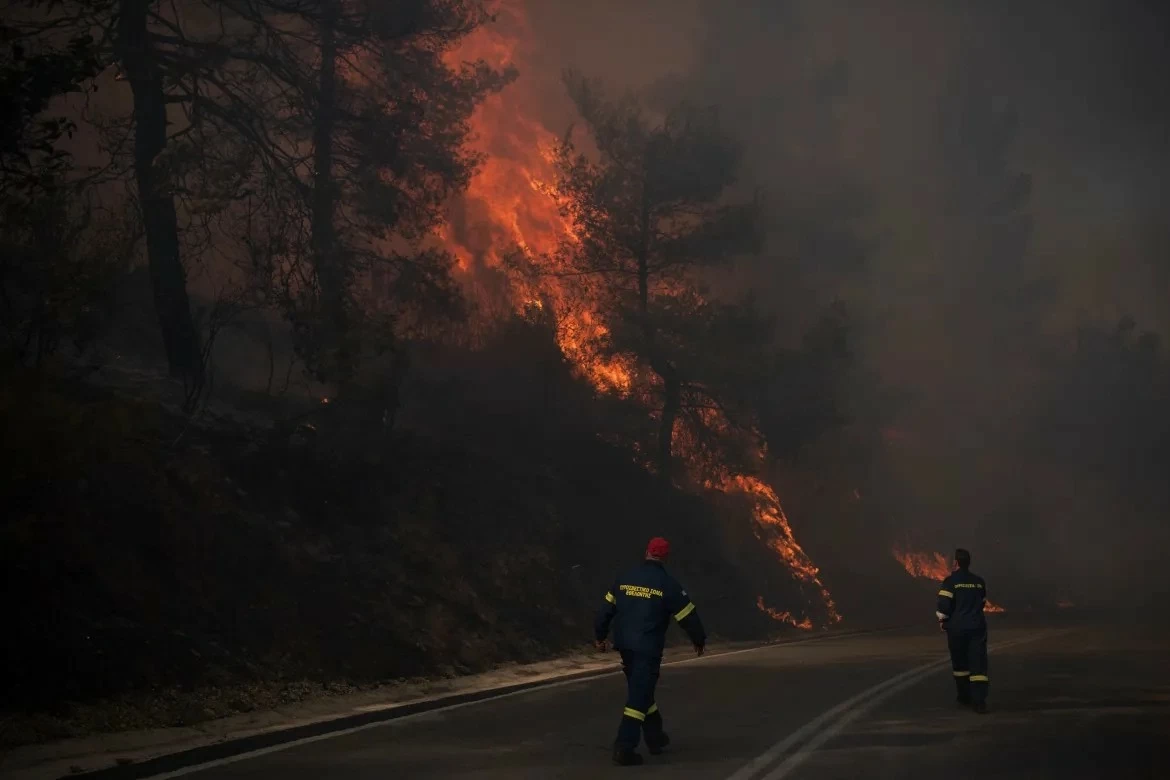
(838, 105)
(1091, 79)
(1085, 75)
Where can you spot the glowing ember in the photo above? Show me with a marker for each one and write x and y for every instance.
(510, 204)
(935, 567)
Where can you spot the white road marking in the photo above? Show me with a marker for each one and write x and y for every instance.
(846, 712)
(765, 760)
(187, 770)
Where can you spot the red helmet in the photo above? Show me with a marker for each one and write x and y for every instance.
(658, 548)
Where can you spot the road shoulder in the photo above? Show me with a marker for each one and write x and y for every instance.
(247, 731)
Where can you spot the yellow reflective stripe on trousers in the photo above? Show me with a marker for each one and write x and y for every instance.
(609, 597)
(682, 613)
(979, 678)
(653, 709)
(946, 593)
(630, 712)
(961, 674)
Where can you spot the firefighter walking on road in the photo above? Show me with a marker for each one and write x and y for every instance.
(961, 598)
(640, 606)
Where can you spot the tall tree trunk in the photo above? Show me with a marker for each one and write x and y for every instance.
(393, 397)
(327, 262)
(671, 405)
(660, 364)
(643, 257)
(271, 359)
(167, 275)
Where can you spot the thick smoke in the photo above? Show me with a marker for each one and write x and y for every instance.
(975, 181)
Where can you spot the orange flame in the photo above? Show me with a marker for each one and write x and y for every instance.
(924, 564)
(933, 566)
(783, 617)
(774, 530)
(509, 204)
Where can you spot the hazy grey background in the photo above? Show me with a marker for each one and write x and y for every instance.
(838, 104)
(1086, 76)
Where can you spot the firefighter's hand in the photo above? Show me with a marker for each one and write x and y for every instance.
(600, 645)
(699, 650)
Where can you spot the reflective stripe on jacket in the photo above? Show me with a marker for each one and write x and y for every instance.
(640, 605)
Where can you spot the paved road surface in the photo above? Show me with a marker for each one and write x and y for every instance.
(1069, 701)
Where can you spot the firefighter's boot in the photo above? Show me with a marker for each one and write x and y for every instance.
(963, 689)
(656, 738)
(656, 744)
(623, 756)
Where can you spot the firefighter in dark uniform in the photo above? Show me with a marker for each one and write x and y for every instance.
(640, 605)
(961, 598)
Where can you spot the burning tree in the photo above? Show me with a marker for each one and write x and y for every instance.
(649, 213)
(362, 123)
(318, 140)
(553, 225)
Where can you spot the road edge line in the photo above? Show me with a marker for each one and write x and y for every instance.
(229, 751)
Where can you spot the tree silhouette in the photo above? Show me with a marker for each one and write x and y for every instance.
(32, 74)
(334, 128)
(360, 123)
(651, 212)
(147, 42)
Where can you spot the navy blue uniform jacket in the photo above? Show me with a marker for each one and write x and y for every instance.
(961, 598)
(640, 606)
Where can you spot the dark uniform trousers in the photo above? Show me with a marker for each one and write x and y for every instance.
(641, 713)
(969, 662)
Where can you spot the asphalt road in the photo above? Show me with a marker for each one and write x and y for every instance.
(1068, 701)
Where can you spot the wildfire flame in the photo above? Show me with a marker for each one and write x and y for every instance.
(773, 528)
(929, 565)
(783, 617)
(932, 566)
(509, 204)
